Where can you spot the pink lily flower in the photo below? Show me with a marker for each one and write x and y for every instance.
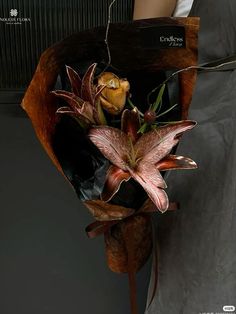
(83, 98)
(141, 158)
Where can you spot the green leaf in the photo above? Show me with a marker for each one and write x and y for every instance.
(168, 110)
(143, 128)
(167, 122)
(159, 98)
(134, 107)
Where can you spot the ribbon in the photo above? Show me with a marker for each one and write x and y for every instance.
(100, 227)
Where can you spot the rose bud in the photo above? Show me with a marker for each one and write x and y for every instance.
(113, 96)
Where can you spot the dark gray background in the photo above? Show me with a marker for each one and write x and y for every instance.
(47, 263)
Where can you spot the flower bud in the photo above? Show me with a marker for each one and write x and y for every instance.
(113, 96)
(150, 116)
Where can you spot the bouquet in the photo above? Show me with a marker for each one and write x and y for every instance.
(114, 148)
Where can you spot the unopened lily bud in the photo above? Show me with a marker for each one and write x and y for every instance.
(113, 96)
(149, 116)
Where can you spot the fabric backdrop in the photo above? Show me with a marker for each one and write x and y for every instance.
(197, 263)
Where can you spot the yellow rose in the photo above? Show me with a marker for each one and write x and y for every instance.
(113, 96)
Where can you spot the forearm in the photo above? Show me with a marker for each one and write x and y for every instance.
(144, 9)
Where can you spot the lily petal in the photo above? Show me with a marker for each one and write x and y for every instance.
(172, 162)
(86, 112)
(150, 173)
(106, 212)
(87, 89)
(115, 176)
(149, 207)
(74, 101)
(130, 123)
(113, 143)
(156, 194)
(82, 109)
(75, 80)
(65, 109)
(156, 144)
